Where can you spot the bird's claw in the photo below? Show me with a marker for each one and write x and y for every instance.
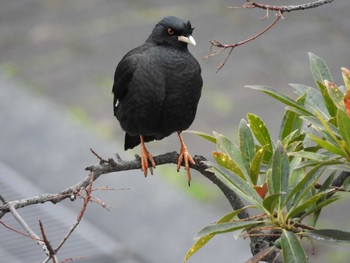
(185, 156)
(145, 157)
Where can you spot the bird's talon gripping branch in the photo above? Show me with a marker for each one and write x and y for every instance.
(185, 156)
(145, 157)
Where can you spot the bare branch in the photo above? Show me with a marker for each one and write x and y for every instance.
(279, 14)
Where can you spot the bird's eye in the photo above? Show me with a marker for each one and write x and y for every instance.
(170, 31)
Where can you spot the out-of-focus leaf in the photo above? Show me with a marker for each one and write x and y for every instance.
(203, 240)
(291, 121)
(225, 161)
(246, 143)
(254, 170)
(203, 135)
(224, 145)
(280, 172)
(293, 251)
(343, 121)
(282, 98)
(329, 235)
(319, 69)
(260, 131)
(227, 227)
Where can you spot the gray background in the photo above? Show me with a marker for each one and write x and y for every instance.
(57, 60)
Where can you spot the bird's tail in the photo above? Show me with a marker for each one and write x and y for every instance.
(132, 141)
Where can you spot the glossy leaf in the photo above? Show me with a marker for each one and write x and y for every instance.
(260, 131)
(291, 121)
(317, 124)
(280, 172)
(224, 145)
(246, 143)
(293, 251)
(329, 235)
(311, 155)
(346, 100)
(225, 161)
(282, 98)
(317, 208)
(319, 69)
(261, 190)
(254, 170)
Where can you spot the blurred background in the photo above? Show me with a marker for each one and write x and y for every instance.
(57, 61)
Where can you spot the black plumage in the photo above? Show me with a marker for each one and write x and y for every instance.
(157, 87)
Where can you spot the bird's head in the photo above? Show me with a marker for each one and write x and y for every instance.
(172, 31)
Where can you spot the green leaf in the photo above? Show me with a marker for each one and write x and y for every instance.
(317, 208)
(203, 135)
(336, 95)
(225, 161)
(314, 98)
(227, 227)
(260, 131)
(291, 121)
(343, 122)
(254, 170)
(333, 148)
(305, 184)
(293, 251)
(271, 202)
(319, 69)
(246, 143)
(318, 125)
(332, 109)
(224, 145)
(329, 235)
(311, 156)
(307, 204)
(203, 240)
(282, 98)
(237, 184)
(280, 172)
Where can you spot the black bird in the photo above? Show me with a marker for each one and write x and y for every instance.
(156, 89)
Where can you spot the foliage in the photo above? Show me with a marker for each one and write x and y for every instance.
(280, 180)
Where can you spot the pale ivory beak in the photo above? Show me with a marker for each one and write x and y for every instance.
(188, 40)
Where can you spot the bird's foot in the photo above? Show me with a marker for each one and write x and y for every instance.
(187, 158)
(145, 157)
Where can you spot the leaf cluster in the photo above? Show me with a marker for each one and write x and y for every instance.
(280, 179)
